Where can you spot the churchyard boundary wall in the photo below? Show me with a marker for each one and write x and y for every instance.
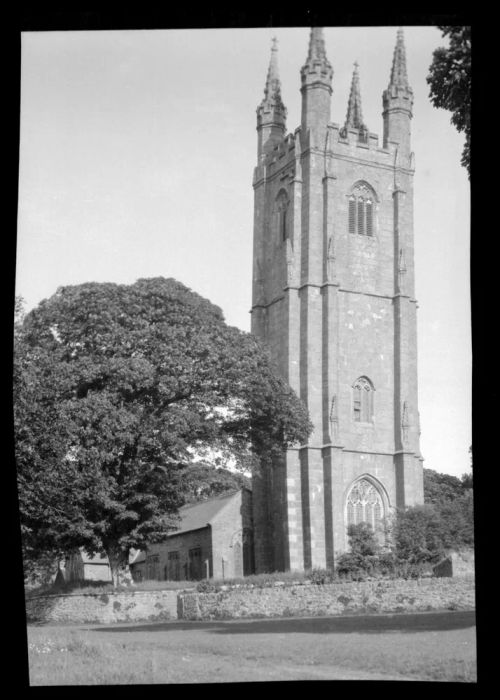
(234, 602)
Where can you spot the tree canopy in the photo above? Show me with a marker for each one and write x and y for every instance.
(115, 388)
(450, 81)
(452, 502)
(203, 481)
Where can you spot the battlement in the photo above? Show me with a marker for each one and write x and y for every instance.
(348, 141)
(340, 141)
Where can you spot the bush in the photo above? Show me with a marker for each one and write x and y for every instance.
(407, 570)
(205, 587)
(387, 565)
(416, 545)
(356, 567)
(362, 540)
(321, 576)
(362, 560)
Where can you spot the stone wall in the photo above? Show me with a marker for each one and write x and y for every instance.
(332, 599)
(298, 600)
(104, 607)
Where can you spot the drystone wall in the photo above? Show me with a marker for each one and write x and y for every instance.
(297, 600)
(330, 599)
(113, 607)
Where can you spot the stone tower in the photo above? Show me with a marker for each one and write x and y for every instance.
(334, 301)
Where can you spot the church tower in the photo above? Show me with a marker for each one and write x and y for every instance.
(334, 301)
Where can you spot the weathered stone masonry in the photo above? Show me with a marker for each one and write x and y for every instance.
(277, 601)
(330, 599)
(334, 300)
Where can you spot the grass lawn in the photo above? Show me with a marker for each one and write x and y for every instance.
(425, 646)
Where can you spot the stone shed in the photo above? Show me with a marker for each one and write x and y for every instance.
(214, 540)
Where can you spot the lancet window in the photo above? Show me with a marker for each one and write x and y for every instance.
(282, 216)
(362, 400)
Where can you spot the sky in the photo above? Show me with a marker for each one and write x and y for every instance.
(137, 152)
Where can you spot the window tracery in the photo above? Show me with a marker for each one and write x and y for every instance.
(361, 210)
(365, 505)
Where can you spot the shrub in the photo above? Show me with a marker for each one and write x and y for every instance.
(387, 564)
(321, 576)
(356, 567)
(362, 560)
(362, 540)
(205, 587)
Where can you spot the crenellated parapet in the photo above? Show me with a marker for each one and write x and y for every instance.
(348, 144)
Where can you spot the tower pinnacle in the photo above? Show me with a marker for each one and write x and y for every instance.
(399, 77)
(272, 90)
(397, 100)
(316, 77)
(271, 113)
(354, 117)
(272, 101)
(317, 66)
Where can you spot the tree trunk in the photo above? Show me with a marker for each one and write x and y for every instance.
(120, 570)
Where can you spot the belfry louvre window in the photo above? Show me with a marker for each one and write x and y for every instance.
(361, 217)
(364, 505)
(352, 215)
(369, 218)
(362, 400)
(361, 211)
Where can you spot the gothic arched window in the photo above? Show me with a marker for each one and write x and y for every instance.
(365, 505)
(362, 400)
(282, 216)
(361, 210)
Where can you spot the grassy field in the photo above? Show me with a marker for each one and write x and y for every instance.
(425, 646)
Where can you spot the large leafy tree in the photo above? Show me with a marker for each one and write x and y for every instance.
(45, 477)
(115, 386)
(450, 81)
(418, 534)
(453, 503)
